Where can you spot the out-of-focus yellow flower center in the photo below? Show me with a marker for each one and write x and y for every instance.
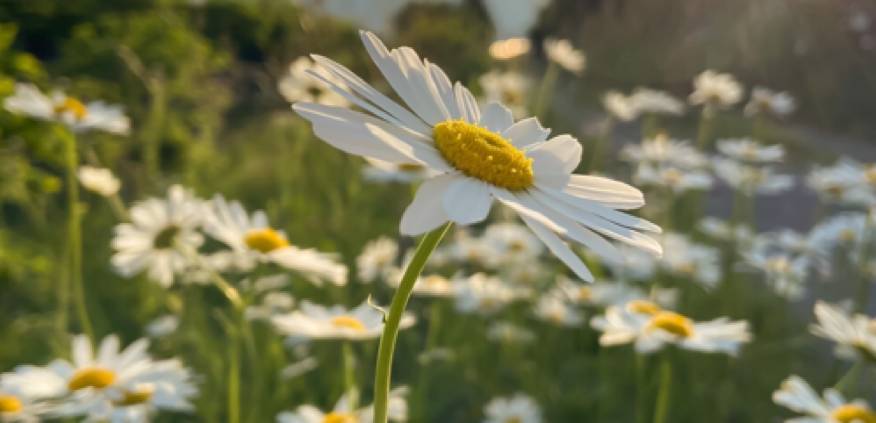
(514, 419)
(72, 106)
(673, 323)
(853, 413)
(410, 167)
(672, 176)
(91, 377)
(434, 281)
(483, 154)
(847, 235)
(137, 396)
(335, 417)
(9, 404)
(585, 293)
(643, 307)
(265, 240)
(870, 174)
(778, 264)
(509, 48)
(348, 322)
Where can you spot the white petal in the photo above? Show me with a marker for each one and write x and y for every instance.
(563, 148)
(467, 201)
(426, 212)
(467, 104)
(445, 89)
(608, 214)
(608, 192)
(575, 231)
(526, 132)
(497, 118)
(559, 248)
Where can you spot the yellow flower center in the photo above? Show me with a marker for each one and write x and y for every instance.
(72, 106)
(265, 240)
(835, 191)
(673, 323)
(92, 377)
(514, 419)
(136, 396)
(585, 293)
(870, 174)
(483, 154)
(410, 167)
(348, 322)
(643, 307)
(853, 413)
(9, 404)
(335, 417)
(778, 264)
(672, 177)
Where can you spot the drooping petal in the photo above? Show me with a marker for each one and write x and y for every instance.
(608, 192)
(496, 118)
(426, 212)
(560, 249)
(526, 132)
(467, 200)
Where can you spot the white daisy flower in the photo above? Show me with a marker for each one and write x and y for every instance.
(715, 89)
(651, 328)
(724, 230)
(525, 272)
(851, 234)
(557, 310)
(843, 183)
(855, 335)
(766, 101)
(796, 395)
(343, 412)
(675, 179)
(28, 100)
(481, 157)
(381, 171)
(161, 237)
(751, 180)
(431, 285)
(296, 85)
(510, 48)
(748, 150)
(315, 321)
(508, 88)
(271, 304)
(634, 264)
(99, 180)
(689, 259)
(604, 294)
(785, 273)
(255, 241)
(620, 106)
(162, 326)
(664, 151)
(26, 394)
(563, 53)
(467, 249)
(377, 257)
(519, 408)
(120, 385)
(483, 294)
(512, 242)
(649, 101)
(507, 332)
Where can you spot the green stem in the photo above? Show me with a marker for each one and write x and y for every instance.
(383, 374)
(545, 90)
(848, 382)
(234, 380)
(641, 388)
(704, 131)
(661, 409)
(650, 126)
(350, 386)
(600, 146)
(431, 340)
(74, 232)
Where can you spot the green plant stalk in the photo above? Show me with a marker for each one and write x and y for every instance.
(641, 381)
(431, 340)
(598, 156)
(704, 130)
(383, 374)
(74, 232)
(849, 381)
(661, 408)
(234, 380)
(546, 90)
(350, 387)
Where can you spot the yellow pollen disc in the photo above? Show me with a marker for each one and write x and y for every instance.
(870, 174)
(847, 235)
(9, 404)
(853, 413)
(672, 176)
(835, 191)
(673, 323)
(137, 396)
(348, 322)
(93, 377)
(643, 307)
(410, 167)
(72, 106)
(585, 293)
(265, 240)
(778, 264)
(335, 417)
(483, 154)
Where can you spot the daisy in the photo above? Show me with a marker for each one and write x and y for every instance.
(748, 150)
(271, 304)
(483, 294)
(798, 396)
(26, 394)
(713, 89)
(519, 408)
(28, 100)
(855, 335)
(841, 183)
(664, 151)
(376, 258)
(296, 85)
(620, 106)
(512, 242)
(766, 101)
(676, 180)
(433, 285)
(344, 413)
(471, 250)
(751, 180)
(633, 264)
(648, 101)
(785, 273)
(692, 260)
(850, 234)
(481, 157)
(162, 326)
(508, 88)
(651, 328)
(507, 332)
(162, 236)
(564, 54)
(314, 321)
(724, 230)
(255, 241)
(510, 48)
(381, 171)
(557, 310)
(604, 294)
(99, 180)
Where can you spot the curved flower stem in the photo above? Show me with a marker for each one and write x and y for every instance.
(383, 374)
(661, 409)
(545, 91)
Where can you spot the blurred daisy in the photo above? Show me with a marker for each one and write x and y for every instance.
(604, 294)
(724, 230)
(510, 48)
(483, 294)
(376, 259)
(508, 88)
(841, 183)
(558, 311)
(664, 151)
(343, 413)
(796, 395)
(162, 326)
(713, 89)
(271, 304)
(314, 321)
(467, 249)
(751, 180)
(651, 328)
(785, 274)
(648, 101)
(426, 285)
(481, 157)
(25, 398)
(28, 100)
(507, 332)
(161, 238)
(512, 242)
(848, 234)
(519, 408)
(296, 85)
(381, 171)
(748, 150)
(99, 181)
(855, 335)
(620, 106)
(692, 260)
(255, 241)
(564, 54)
(633, 265)
(769, 102)
(676, 180)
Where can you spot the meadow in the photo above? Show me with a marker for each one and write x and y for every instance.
(251, 211)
